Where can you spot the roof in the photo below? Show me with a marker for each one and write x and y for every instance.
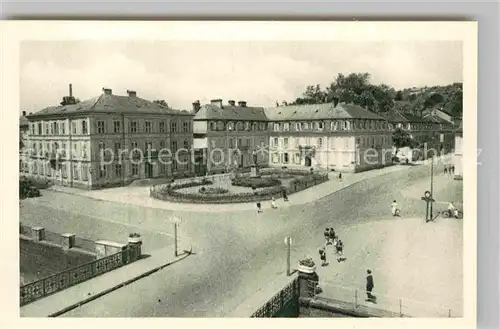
(395, 116)
(228, 112)
(436, 119)
(320, 111)
(110, 103)
(413, 118)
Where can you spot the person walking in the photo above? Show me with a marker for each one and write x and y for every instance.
(273, 204)
(340, 176)
(322, 256)
(285, 196)
(332, 234)
(394, 209)
(452, 170)
(369, 287)
(327, 236)
(445, 169)
(340, 251)
(259, 208)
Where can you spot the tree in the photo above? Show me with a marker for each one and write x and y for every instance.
(161, 102)
(402, 138)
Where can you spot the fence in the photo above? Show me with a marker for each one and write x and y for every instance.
(279, 301)
(68, 278)
(357, 297)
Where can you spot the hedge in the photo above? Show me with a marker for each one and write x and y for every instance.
(256, 182)
(168, 193)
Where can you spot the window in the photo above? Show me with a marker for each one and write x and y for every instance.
(85, 172)
(320, 125)
(103, 171)
(275, 158)
(186, 144)
(213, 126)
(276, 127)
(48, 169)
(100, 127)
(333, 125)
(64, 170)
(304, 126)
(174, 146)
(212, 143)
(285, 142)
(320, 142)
(162, 145)
(73, 128)
(118, 170)
(239, 126)
(162, 168)
(133, 145)
(39, 128)
(147, 126)
(84, 128)
(262, 126)
(54, 129)
(116, 127)
(286, 126)
(285, 157)
(161, 127)
(135, 169)
(185, 127)
(63, 128)
(35, 167)
(275, 141)
(133, 127)
(231, 143)
(173, 126)
(76, 175)
(240, 142)
(247, 126)
(118, 147)
(46, 128)
(102, 146)
(230, 126)
(297, 158)
(84, 150)
(296, 126)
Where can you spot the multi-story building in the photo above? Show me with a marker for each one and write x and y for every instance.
(458, 155)
(226, 136)
(23, 141)
(109, 140)
(332, 136)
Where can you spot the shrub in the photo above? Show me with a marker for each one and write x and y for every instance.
(257, 182)
(134, 235)
(210, 190)
(307, 262)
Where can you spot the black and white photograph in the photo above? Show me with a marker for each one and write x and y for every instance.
(253, 176)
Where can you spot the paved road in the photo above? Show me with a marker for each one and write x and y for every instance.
(236, 253)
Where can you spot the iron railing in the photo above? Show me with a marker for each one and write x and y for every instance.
(356, 299)
(68, 278)
(272, 307)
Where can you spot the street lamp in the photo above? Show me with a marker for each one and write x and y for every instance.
(288, 242)
(176, 221)
(428, 203)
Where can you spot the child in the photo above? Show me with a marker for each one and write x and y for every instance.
(327, 236)
(340, 251)
(322, 256)
(259, 208)
(273, 204)
(332, 234)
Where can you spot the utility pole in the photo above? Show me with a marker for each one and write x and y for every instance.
(432, 185)
(176, 224)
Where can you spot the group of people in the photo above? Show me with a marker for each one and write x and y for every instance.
(273, 202)
(333, 240)
(449, 169)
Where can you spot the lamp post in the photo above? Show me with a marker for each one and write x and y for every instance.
(288, 242)
(428, 205)
(432, 184)
(176, 221)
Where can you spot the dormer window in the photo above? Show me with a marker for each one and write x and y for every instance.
(230, 126)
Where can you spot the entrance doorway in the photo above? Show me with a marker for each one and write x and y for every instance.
(148, 168)
(308, 161)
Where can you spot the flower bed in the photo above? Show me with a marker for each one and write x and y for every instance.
(256, 182)
(212, 190)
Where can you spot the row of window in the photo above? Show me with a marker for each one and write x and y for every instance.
(238, 126)
(419, 126)
(336, 125)
(148, 146)
(41, 148)
(59, 128)
(335, 143)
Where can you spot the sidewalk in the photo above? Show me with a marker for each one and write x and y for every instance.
(87, 291)
(140, 195)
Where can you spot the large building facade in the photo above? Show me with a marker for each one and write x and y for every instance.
(331, 136)
(227, 135)
(108, 140)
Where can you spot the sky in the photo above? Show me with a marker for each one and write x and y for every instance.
(260, 73)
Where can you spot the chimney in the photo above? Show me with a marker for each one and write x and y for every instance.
(242, 104)
(24, 113)
(106, 91)
(231, 103)
(335, 101)
(196, 106)
(216, 102)
(70, 90)
(131, 93)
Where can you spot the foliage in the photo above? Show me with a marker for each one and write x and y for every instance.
(29, 187)
(357, 88)
(307, 262)
(213, 190)
(256, 182)
(161, 102)
(134, 235)
(402, 138)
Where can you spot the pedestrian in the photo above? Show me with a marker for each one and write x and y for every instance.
(273, 204)
(285, 196)
(340, 251)
(452, 169)
(259, 207)
(394, 209)
(322, 256)
(446, 169)
(369, 287)
(340, 176)
(327, 236)
(332, 234)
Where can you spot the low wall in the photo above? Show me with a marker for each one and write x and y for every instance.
(167, 192)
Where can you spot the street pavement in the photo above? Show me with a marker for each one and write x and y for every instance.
(236, 253)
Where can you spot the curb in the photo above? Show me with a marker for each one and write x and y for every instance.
(121, 285)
